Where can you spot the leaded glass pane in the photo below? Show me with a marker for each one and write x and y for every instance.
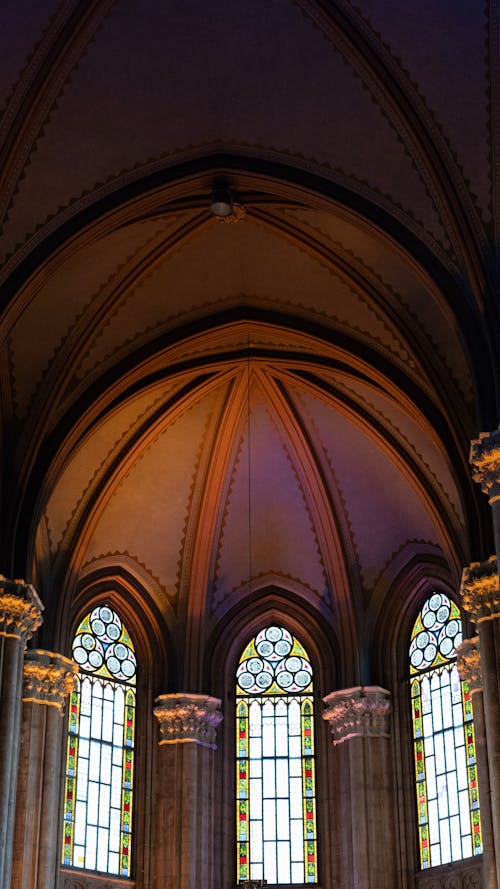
(99, 769)
(443, 738)
(276, 807)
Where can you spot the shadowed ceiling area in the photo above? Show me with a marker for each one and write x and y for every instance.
(284, 402)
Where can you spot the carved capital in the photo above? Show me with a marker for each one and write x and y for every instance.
(485, 461)
(48, 678)
(20, 609)
(358, 712)
(188, 718)
(480, 590)
(469, 663)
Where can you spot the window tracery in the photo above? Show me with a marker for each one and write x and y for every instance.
(276, 807)
(98, 794)
(449, 824)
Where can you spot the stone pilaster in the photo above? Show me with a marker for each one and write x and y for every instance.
(185, 791)
(20, 616)
(48, 679)
(480, 597)
(469, 667)
(360, 723)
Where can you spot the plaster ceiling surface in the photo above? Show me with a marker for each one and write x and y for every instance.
(163, 59)
(283, 401)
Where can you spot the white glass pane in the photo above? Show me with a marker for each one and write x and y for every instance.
(442, 789)
(270, 862)
(452, 796)
(283, 863)
(118, 735)
(462, 780)
(80, 823)
(84, 729)
(445, 843)
(440, 761)
(269, 826)
(446, 704)
(93, 802)
(281, 737)
(106, 764)
(102, 849)
(255, 719)
(82, 780)
(282, 817)
(435, 855)
(114, 863)
(257, 871)
(256, 850)
(297, 873)
(114, 830)
(269, 777)
(449, 746)
(119, 702)
(456, 842)
(282, 777)
(256, 797)
(255, 768)
(95, 761)
(467, 847)
(295, 797)
(428, 728)
(295, 767)
(116, 786)
(463, 797)
(79, 856)
(104, 806)
(268, 747)
(255, 748)
(297, 839)
(294, 747)
(83, 749)
(107, 721)
(91, 848)
(433, 822)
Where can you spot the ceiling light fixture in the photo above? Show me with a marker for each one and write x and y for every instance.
(224, 207)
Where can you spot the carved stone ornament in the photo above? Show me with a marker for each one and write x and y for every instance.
(186, 717)
(451, 876)
(485, 461)
(48, 678)
(67, 880)
(469, 663)
(480, 590)
(358, 712)
(20, 609)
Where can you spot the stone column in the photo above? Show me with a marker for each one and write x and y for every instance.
(48, 679)
(469, 668)
(359, 719)
(481, 598)
(20, 616)
(185, 791)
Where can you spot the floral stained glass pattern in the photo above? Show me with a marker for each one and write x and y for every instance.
(276, 806)
(100, 755)
(448, 815)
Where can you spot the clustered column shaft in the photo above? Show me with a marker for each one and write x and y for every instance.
(481, 598)
(185, 791)
(360, 719)
(48, 678)
(20, 616)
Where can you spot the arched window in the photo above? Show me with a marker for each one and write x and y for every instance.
(443, 736)
(276, 807)
(100, 757)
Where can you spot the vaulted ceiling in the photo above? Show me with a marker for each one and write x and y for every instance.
(285, 401)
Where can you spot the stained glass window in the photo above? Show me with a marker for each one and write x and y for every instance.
(276, 805)
(449, 824)
(100, 756)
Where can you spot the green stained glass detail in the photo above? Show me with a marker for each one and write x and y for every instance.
(98, 803)
(275, 769)
(447, 796)
(102, 646)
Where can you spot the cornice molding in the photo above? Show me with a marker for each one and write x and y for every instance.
(48, 678)
(361, 712)
(480, 590)
(20, 609)
(185, 718)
